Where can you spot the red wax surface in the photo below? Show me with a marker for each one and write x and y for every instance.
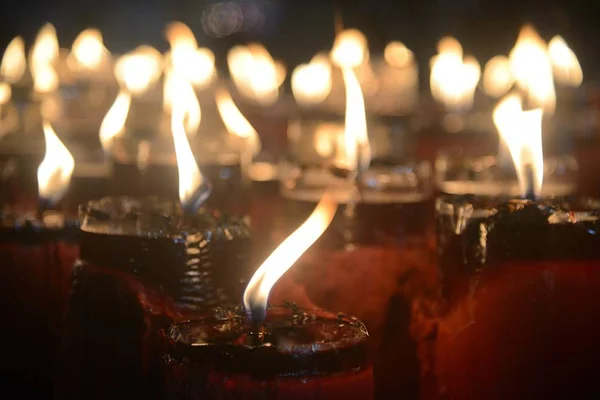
(527, 330)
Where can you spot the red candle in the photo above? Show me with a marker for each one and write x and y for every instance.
(143, 265)
(293, 354)
(516, 313)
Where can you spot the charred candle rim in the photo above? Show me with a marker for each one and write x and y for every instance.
(235, 346)
(26, 227)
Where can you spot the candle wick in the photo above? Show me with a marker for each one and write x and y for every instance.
(529, 182)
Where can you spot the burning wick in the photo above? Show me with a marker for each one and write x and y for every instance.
(193, 187)
(522, 133)
(55, 171)
(284, 256)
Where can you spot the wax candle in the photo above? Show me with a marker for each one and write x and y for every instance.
(515, 316)
(144, 263)
(294, 354)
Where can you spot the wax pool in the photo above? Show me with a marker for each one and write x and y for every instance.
(517, 308)
(144, 264)
(294, 354)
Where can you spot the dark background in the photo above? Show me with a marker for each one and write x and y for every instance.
(294, 30)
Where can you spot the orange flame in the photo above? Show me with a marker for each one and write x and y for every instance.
(88, 51)
(497, 76)
(311, 83)
(567, 70)
(350, 49)
(14, 64)
(54, 173)
(397, 55)
(235, 121)
(139, 70)
(357, 149)
(288, 252)
(177, 87)
(114, 121)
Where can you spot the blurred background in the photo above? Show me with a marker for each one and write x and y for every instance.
(294, 31)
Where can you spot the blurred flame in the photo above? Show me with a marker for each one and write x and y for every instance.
(45, 48)
(397, 55)
(88, 50)
(522, 133)
(255, 73)
(54, 173)
(497, 76)
(350, 49)
(45, 79)
(454, 80)
(196, 64)
(532, 69)
(311, 83)
(114, 121)
(177, 88)
(5, 93)
(14, 64)
(235, 121)
(356, 140)
(284, 256)
(138, 70)
(190, 177)
(328, 138)
(567, 70)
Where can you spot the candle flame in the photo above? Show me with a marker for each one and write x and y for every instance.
(5, 93)
(45, 79)
(531, 67)
(196, 64)
(350, 49)
(311, 83)
(497, 76)
(177, 88)
(567, 70)
(190, 177)
(14, 64)
(284, 256)
(454, 80)
(522, 133)
(54, 173)
(45, 48)
(235, 121)
(397, 55)
(139, 70)
(357, 149)
(255, 73)
(114, 121)
(88, 51)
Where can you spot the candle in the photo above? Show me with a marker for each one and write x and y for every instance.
(145, 263)
(514, 306)
(36, 251)
(296, 354)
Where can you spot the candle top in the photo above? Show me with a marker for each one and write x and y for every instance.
(290, 341)
(149, 217)
(27, 221)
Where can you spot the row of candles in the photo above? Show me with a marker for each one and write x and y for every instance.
(163, 254)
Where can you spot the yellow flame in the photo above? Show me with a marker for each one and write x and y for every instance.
(567, 70)
(397, 55)
(54, 173)
(88, 50)
(139, 70)
(497, 76)
(235, 121)
(522, 133)
(196, 64)
(356, 140)
(329, 137)
(5, 93)
(311, 83)
(350, 49)
(45, 48)
(14, 64)
(284, 256)
(190, 177)
(177, 88)
(45, 79)
(114, 121)
(532, 69)
(255, 73)
(454, 80)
